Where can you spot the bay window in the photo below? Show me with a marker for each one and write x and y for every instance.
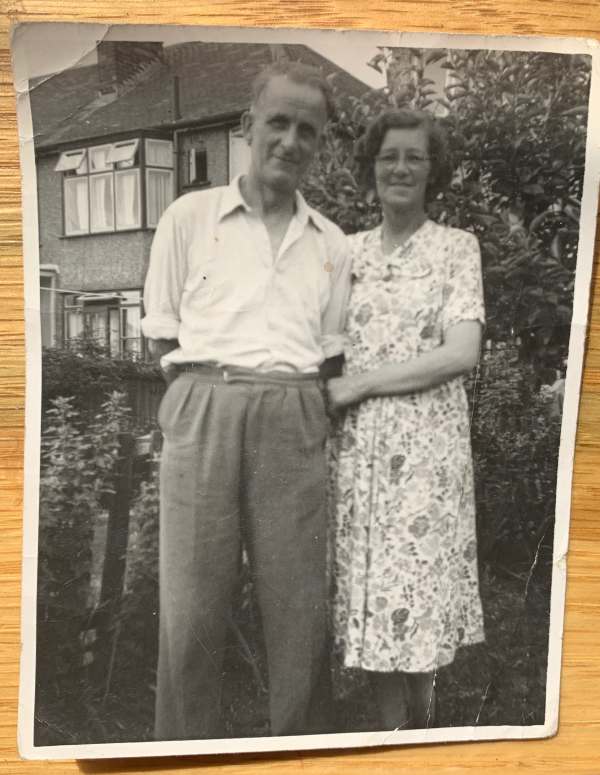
(103, 187)
(111, 319)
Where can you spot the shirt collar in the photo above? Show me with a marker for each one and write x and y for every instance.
(232, 199)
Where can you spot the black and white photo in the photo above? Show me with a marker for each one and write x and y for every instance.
(305, 325)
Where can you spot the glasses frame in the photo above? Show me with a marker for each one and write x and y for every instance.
(390, 162)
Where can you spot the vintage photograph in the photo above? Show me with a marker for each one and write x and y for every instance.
(305, 323)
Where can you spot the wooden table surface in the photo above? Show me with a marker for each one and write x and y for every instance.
(576, 748)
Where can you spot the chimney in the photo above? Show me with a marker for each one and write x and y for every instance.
(119, 60)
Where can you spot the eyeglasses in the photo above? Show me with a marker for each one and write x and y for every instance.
(414, 161)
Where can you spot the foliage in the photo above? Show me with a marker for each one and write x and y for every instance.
(88, 372)
(76, 474)
(515, 438)
(138, 619)
(516, 128)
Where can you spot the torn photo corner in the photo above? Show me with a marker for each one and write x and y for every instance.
(223, 551)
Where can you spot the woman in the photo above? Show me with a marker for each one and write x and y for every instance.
(405, 556)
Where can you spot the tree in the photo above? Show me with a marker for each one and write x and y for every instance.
(516, 124)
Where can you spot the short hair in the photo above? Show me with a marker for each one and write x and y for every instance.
(369, 145)
(299, 73)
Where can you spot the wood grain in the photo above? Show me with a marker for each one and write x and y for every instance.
(576, 748)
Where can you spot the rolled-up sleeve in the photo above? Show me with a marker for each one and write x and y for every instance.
(333, 337)
(165, 279)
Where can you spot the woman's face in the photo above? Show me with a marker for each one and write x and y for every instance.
(402, 169)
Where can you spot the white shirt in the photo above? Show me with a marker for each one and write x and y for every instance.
(214, 285)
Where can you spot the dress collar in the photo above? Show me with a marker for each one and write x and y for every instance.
(406, 260)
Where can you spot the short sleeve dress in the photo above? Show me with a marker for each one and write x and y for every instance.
(405, 552)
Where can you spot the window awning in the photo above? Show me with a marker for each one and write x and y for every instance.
(70, 160)
(99, 298)
(123, 151)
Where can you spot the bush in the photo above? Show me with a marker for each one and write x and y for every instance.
(77, 466)
(515, 441)
(138, 619)
(88, 374)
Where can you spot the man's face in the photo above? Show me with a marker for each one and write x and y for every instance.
(283, 130)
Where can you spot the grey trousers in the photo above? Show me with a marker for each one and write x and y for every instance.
(243, 460)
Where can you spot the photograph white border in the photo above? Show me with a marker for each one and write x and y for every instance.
(54, 30)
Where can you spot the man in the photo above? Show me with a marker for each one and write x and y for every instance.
(245, 298)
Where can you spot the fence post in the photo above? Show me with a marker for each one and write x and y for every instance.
(117, 533)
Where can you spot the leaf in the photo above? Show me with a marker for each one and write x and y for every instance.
(435, 56)
(533, 188)
(579, 110)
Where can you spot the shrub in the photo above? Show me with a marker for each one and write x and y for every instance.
(515, 440)
(77, 466)
(138, 620)
(89, 374)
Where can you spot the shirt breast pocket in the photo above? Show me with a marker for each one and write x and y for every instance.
(202, 283)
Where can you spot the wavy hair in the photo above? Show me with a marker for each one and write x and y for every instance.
(369, 145)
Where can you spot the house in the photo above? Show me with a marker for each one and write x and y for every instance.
(115, 143)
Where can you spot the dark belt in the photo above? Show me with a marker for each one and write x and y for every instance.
(229, 374)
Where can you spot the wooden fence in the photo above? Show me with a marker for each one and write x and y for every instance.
(136, 459)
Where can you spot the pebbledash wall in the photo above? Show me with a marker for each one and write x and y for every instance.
(92, 262)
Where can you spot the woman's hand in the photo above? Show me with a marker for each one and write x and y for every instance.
(345, 391)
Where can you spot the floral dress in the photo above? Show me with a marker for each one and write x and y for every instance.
(405, 552)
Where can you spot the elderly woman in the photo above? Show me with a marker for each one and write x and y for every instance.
(405, 552)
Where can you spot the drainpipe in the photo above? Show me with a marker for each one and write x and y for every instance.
(176, 117)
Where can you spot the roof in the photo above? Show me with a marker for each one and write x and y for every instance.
(193, 82)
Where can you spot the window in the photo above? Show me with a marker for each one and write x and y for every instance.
(112, 320)
(130, 328)
(102, 186)
(159, 153)
(72, 161)
(127, 194)
(77, 211)
(48, 275)
(159, 179)
(102, 202)
(159, 187)
(197, 166)
(123, 154)
(239, 154)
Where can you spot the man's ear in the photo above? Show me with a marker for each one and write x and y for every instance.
(246, 122)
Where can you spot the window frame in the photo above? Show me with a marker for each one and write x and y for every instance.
(75, 179)
(49, 272)
(163, 142)
(113, 305)
(138, 182)
(159, 171)
(110, 175)
(138, 165)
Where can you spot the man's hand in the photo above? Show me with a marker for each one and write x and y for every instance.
(345, 391)
(159, 347)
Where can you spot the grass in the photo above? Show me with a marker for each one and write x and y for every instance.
(499, 682)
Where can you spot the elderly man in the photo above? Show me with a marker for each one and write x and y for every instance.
(245, 299)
